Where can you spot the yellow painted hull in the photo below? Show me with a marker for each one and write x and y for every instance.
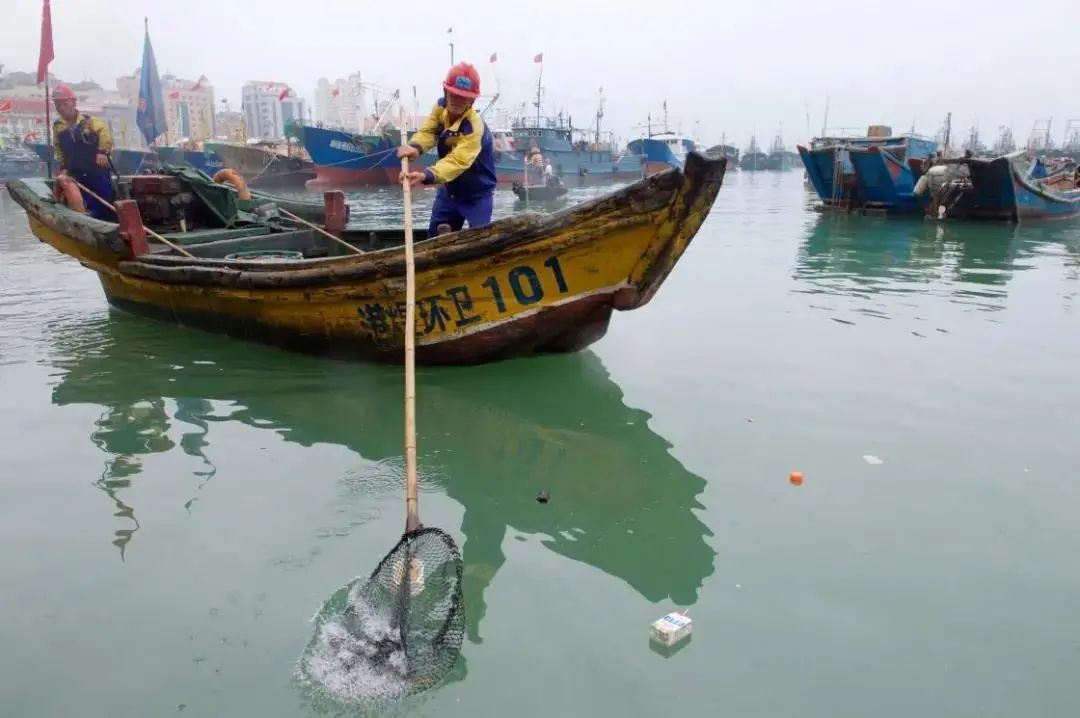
(481, 294)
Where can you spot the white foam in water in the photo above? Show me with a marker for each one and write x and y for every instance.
(342, 662)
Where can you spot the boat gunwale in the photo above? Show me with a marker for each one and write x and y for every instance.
(647, 197)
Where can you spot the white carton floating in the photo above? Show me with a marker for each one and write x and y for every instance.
(671, 629)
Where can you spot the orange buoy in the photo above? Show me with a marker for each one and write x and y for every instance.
(795, 478)
(65, 189)
(234, 178)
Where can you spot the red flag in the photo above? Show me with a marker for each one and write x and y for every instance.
(174, 95)
(45, 56)
(336, 92)
(284, 94)
(539, 58)
(494, 57)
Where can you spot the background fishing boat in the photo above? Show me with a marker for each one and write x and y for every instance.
(204, 160)
(753, 159)
(1042, 194)
(18, 163)
(877, 171)
(731, 152)
(1011, 187)
(262, 165)
(521, 285)
(570, 152)
(780, 158)
(661, 151)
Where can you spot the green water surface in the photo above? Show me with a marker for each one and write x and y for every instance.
(175, 506)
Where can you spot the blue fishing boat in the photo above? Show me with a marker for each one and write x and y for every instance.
(878, 171)
(125, 162)
(344, 158)
(661, 151)
(1009, 187)
(1042, 194)
(553, 140)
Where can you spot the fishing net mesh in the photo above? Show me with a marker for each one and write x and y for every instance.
(400, 631)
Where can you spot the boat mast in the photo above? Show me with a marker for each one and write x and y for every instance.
(539, 79)
(599, 115)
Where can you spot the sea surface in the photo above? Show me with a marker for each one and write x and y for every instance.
(176, 506)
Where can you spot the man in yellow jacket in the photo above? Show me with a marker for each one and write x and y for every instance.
(81, 146)
(465, 171)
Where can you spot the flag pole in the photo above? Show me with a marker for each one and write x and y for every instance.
(48, 125)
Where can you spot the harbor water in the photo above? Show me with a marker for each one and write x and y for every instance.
(175, 506)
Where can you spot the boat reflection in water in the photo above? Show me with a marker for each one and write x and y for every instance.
(492, 436)
(971, 264)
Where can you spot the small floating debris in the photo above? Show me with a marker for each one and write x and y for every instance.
(872, 460)
(795, 478)
(672, 629)
(543, 497)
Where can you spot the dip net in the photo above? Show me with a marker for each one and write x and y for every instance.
(396, 633)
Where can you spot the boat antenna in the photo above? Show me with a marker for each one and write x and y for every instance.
(539, 79)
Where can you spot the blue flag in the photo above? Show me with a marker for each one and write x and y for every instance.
(150, 116)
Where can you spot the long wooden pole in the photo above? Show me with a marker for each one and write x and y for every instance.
(48, 127)
(412, 503)
(318, 229)
(149, 231)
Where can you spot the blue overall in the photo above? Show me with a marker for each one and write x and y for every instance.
(465, 171)
(79, 144)
(455, 212)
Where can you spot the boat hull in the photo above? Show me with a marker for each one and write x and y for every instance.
(658, 155)
(883, 181)
(344, 159)
(522, 285)
(1034, 200)
(263, 169)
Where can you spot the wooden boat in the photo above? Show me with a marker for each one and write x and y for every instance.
(539, 192)
(1047, 197)
(305, 209)
(1007, 187)
(525, 284)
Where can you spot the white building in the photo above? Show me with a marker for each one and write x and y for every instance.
(341, 104)
(189, 108)
(267, 108)
(189, 105)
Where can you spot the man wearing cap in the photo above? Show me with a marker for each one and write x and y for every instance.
(81, 145)
(465, 171)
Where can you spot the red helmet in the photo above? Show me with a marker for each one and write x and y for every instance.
(463, 80)
(63, 92)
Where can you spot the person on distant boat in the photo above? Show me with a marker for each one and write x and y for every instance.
(81, 145)
(465, 171)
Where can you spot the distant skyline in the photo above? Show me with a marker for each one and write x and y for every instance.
(724, 70)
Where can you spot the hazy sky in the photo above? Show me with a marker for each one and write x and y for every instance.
(735, 67)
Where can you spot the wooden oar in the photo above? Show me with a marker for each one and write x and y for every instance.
(149, 231)
(318, 229)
